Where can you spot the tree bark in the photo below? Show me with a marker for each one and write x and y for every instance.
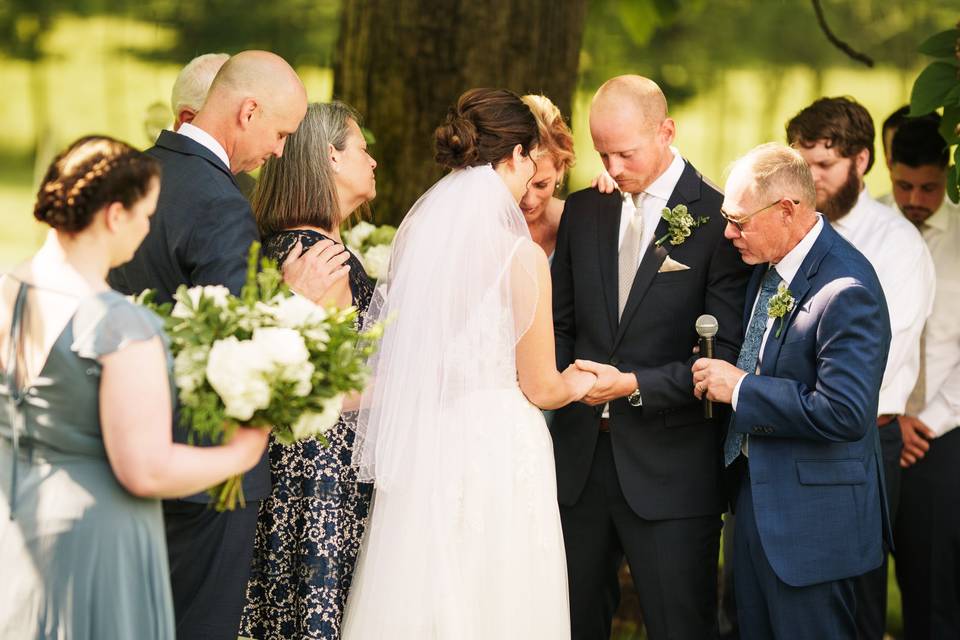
(403, 63)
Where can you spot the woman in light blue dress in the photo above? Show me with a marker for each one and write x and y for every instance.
(85, 429)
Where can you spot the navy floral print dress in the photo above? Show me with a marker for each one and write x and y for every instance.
(310, 528)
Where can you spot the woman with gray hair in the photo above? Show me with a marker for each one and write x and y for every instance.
(310, 528)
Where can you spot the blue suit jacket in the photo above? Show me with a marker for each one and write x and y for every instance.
(200, 234)
(810, 414)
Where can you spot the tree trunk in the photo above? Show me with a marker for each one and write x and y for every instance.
(402, 63)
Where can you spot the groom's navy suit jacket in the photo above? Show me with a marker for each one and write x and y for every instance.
(200, 235)
(810, 416)
(668, 458)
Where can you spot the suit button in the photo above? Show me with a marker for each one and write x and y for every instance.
(614, 360)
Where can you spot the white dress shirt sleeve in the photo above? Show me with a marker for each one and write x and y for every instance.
(908, 280)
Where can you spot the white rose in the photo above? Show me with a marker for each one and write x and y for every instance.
(377, 260)
(360, 232)
(311, 424)
(235, 370)
(218, 293)
(297, 311)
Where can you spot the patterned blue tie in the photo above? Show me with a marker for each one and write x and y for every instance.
(750, 354)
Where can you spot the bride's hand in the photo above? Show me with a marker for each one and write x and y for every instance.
(579, 382)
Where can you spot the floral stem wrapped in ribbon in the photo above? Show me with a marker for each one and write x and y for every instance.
(265, 358)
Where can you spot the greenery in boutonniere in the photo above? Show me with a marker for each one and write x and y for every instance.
(681, 224)
(780, 305)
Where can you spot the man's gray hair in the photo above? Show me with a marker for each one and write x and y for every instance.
(780, 172)
(193, 83)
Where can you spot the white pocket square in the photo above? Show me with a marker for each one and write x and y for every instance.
(672, 265)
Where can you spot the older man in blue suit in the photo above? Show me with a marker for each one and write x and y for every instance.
(810, 514)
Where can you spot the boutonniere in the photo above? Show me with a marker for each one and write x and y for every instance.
(780, 305)
(681, 224)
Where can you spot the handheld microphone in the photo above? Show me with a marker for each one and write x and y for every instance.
(707, 328)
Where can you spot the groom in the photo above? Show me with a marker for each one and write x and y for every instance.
(638, 466)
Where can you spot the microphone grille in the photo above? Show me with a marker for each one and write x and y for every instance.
(707, 326)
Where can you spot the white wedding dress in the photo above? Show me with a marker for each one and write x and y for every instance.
(464, 539)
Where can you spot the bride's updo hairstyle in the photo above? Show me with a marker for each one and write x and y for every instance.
(483, 128)
(90, 174)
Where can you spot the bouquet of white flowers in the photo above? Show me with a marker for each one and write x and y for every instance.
(265, 358)
(373, 244)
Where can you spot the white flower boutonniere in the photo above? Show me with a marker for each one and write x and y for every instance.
(780, 305)
(681, 224)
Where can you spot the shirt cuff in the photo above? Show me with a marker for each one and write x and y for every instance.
(938, 416)
(736, 392)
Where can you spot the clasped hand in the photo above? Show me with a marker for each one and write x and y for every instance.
(609, 382)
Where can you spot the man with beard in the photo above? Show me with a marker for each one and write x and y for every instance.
(835, 137)
(927, 528)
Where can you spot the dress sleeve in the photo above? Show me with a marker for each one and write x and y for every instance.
(108, 324)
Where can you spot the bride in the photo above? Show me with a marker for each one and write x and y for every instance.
(464, 540)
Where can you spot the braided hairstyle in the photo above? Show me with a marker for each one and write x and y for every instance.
(90, 174)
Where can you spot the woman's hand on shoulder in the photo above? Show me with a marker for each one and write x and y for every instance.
(604, 183)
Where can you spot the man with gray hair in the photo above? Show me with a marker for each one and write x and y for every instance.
(192, 85)
(802, 442)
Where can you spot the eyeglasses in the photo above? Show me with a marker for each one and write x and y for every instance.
(741, 221)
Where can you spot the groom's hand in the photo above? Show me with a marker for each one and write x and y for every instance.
(611, 383)
(320, 273)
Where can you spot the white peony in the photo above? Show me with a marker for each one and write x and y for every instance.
(311, 424)
(360, 232)
(235, 370)
(218, 293)
(296, 311)
(289, 355)
(376, 260)
(281, 345)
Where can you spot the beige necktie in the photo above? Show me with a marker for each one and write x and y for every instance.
(918, 397)
(629, 258)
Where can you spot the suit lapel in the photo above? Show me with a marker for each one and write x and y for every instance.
(608, 241)
(799, 287)
(182, 144)
(686, 192)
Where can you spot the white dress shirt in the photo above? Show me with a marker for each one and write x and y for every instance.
(201, 137)
(903, 264)
(941, 410)
(656, 196)
(787, 268)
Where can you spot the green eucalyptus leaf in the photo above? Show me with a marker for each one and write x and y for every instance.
(932, 86)
(941, 45)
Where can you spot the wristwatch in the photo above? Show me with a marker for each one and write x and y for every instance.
(634, 398)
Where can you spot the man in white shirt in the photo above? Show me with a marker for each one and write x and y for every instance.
(835, 136)
(927, 529)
